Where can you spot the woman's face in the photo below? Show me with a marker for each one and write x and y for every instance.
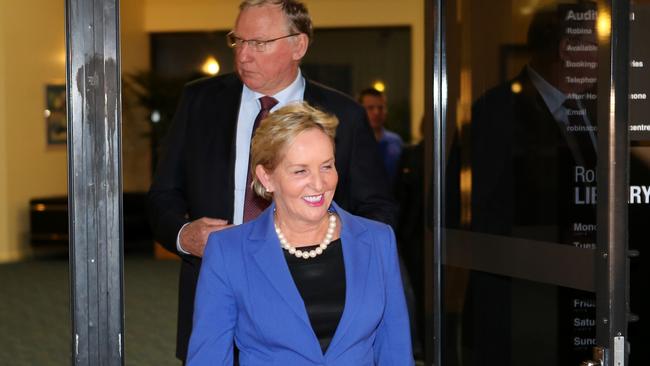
(304, 181)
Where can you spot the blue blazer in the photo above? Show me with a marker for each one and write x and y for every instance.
(246, 293)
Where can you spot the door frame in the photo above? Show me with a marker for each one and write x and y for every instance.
(93, 85)
(611, 257)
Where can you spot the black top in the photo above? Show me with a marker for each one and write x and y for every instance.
(321, 283)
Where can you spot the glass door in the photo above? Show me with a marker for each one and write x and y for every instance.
(529, 200)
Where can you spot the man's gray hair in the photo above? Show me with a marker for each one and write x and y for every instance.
(295, 11)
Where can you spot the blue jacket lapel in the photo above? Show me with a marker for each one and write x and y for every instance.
(356, 259)
(268, 255)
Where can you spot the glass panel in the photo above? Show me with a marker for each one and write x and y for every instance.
(520, 218)
(639, 166)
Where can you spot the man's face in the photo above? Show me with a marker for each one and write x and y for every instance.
(274, 69)
(376, 108)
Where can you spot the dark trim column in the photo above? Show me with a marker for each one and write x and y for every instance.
(95, 182)
(434, 135)
(612, 261)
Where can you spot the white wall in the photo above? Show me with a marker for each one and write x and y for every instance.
(33, 54)
(136, 149)
(3, 141)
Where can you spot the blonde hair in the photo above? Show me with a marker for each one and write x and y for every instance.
(278, 130)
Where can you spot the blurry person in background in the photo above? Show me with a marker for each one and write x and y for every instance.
(390, 143)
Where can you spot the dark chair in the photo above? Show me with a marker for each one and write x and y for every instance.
(49, 222)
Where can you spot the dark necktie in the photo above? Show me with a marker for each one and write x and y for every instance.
(580, 133)
(254, 204)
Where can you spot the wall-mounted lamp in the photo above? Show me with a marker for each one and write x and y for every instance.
(379, 86)
(210, 66)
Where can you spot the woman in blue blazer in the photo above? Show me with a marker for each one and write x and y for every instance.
(282, 300)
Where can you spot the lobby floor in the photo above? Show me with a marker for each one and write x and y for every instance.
(35, 314)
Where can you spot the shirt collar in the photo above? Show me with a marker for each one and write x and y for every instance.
(293, 92)
(551, 95)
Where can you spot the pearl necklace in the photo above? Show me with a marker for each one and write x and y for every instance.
(314, 252)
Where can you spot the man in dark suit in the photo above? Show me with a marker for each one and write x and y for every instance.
(522, 134)
(201, 185)
(526, 154)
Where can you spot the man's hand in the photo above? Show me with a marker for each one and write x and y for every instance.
(194, 235)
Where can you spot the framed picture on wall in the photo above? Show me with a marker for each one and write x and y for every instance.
(56, 123)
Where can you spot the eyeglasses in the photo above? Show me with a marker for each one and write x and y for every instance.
(235, 42)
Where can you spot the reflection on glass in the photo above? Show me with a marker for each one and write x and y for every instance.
(527, 152)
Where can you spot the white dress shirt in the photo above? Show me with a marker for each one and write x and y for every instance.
(248, 110)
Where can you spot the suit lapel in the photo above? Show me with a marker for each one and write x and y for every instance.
(314, 96)
(209, 121)
(269, 258)
(531, 99)
(222, 131)
(356, 259)
(310, 95)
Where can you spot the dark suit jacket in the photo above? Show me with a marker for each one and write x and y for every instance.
(519, 161)
(195, 177)
(522, 186)
(246, 293)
